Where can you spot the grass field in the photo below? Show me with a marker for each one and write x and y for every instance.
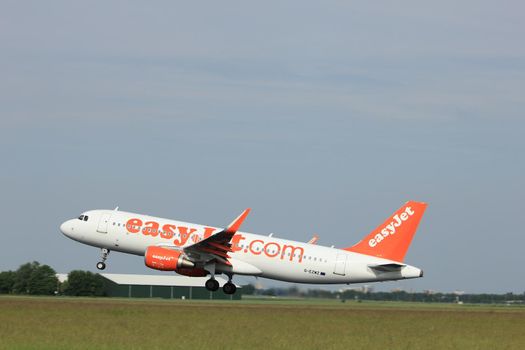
(103, 323)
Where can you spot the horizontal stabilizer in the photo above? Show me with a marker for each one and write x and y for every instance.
(387, 267)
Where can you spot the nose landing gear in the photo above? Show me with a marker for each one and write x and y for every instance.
(101, 265)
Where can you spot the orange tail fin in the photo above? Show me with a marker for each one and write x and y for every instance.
(391, 239)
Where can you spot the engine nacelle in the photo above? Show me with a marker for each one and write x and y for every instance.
(164, 259)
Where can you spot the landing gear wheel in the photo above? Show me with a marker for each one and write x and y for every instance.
(229, 288)
(212, 285)
(101, 265)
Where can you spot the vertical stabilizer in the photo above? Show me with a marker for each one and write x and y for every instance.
(391, 239)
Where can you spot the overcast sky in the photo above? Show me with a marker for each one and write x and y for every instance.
(323, 117)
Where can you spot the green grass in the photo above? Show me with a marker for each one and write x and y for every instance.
(103, 323)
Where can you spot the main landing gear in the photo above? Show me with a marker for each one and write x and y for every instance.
(101, 265)
(229, 288)
(213, 285)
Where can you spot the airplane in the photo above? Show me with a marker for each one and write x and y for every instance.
(199, 250)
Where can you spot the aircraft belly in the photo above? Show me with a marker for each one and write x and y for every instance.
(240, 267)
(291, 271)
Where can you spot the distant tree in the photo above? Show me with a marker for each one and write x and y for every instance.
(271, 292)
(84, 283)
(43, 281)
(33, 278)
(248, 289)
(293, 291)
(7, 281)
(22, 275)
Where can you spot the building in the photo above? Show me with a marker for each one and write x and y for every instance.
(158, 286)
(168, 287)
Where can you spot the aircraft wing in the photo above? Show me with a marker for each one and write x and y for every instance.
(393, 267)
(218, 245)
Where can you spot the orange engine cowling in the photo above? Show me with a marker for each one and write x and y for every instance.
(164, 259)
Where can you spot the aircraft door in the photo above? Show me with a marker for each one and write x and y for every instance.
(340, 264)
(103, 223)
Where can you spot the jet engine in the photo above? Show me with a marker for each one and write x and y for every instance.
(164, 259)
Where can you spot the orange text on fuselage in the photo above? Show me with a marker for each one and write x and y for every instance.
(256, 247)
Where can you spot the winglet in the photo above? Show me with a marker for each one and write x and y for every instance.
(236, 224)
(314, 239)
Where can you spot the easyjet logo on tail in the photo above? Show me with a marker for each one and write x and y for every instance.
(391, 239)
(391, 228)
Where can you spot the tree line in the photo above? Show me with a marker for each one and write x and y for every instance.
(33, 278)
(359, 295)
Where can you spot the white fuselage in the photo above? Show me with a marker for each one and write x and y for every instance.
(252, 254)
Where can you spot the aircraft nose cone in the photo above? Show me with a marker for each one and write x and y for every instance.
(65, 228)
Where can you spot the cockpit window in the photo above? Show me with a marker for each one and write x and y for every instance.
(86, 218)
(81, 217)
